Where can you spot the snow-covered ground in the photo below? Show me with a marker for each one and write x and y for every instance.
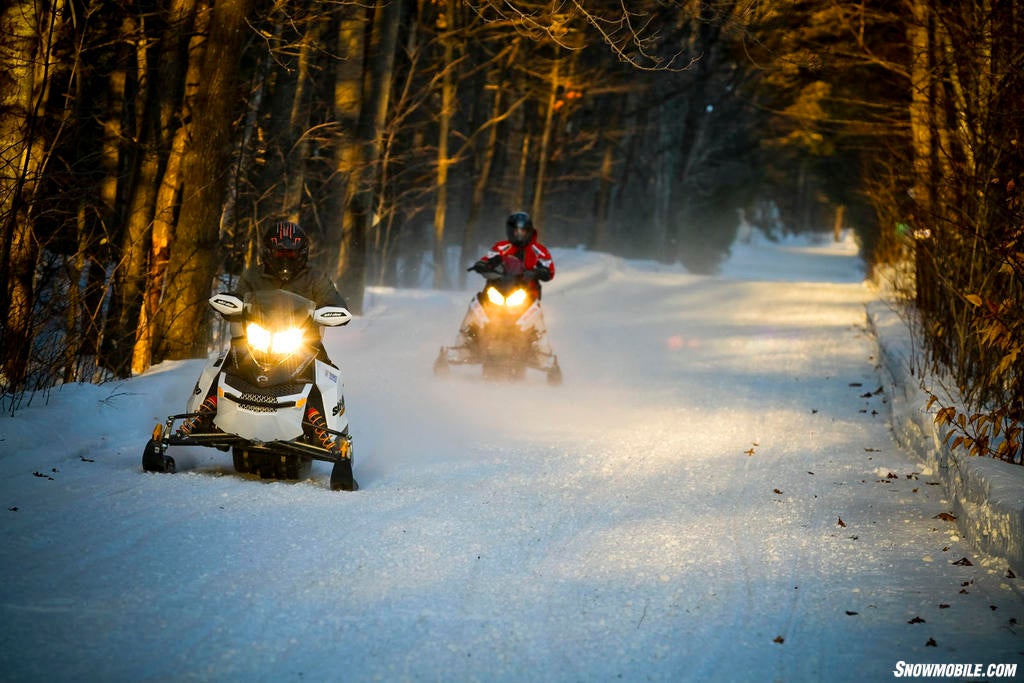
(713, 494)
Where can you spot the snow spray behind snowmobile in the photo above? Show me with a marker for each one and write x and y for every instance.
(269, 397)
(500, 332)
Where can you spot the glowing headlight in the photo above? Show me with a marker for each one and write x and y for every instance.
(284, 342)
(516, 298)
(495, 297)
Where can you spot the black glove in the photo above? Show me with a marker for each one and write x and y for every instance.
(481, 266)
(541, 272)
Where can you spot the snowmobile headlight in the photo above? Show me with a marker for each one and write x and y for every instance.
(284, 342)
(495, 297)
(516, 298)
(258, 337)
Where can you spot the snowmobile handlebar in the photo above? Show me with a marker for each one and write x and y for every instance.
(232, 307)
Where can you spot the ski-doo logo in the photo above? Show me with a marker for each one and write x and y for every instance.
(226, 303)
(961, 671)
(333, 314)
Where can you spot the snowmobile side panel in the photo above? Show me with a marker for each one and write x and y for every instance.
(478, 316)
(331, 385)
(528, 319)
(205, 381)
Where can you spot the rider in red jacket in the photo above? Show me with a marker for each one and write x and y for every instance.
(521, 242)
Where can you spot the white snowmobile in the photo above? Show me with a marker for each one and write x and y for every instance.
(503, 331)
(269, 397)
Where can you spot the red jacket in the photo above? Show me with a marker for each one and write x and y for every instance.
(532, 255)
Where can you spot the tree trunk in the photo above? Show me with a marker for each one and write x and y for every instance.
(545, 146)
(298, 151)
(443, 162)
(837, 225)
(161, 69)
(184, 321)
(467, 254)
(350, 40)
(166, 202)
(602, 202)
(350, 274)
(27, 31)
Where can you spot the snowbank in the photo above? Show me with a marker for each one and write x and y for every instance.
(987, 495)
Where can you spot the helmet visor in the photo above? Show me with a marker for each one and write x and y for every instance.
(286, 254)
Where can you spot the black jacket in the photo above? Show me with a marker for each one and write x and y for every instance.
(316, 287)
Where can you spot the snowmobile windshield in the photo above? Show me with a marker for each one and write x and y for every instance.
(277, 322)
(277, 309)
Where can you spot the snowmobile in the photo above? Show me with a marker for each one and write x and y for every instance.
(500, 332)
(269, 398)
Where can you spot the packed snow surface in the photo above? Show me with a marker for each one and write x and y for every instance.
(713, 494)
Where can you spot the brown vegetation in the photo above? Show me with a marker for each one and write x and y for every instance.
(143, 146)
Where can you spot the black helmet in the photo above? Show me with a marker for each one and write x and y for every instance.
(519, 228)
(285, 250)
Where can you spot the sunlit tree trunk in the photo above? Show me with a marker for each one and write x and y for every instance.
(921, 93)
(167, 202)
(184, 319)
(298, 153)
(348, 97)
(350, 274)
(161, 68)
(27, 31)
(537, 208)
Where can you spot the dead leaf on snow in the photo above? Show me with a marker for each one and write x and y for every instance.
(964, 562)
(916, 620)
(931, 643)
(779, 640)
(945, 517)
(841, 522)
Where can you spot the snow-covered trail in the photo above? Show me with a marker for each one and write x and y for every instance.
(672, 512)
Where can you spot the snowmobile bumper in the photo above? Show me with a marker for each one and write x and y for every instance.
(499, 365)
(165, 436)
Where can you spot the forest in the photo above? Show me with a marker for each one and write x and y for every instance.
(146, 144)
